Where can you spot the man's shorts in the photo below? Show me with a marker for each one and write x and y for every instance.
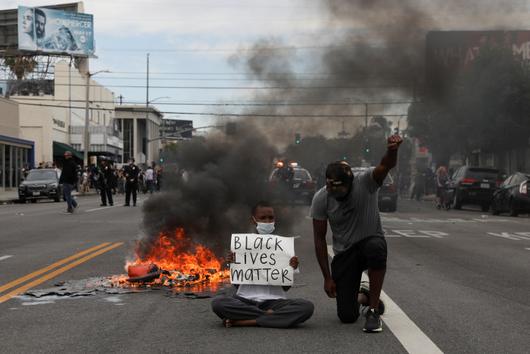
(370, 253)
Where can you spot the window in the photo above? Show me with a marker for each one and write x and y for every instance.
(517, 179)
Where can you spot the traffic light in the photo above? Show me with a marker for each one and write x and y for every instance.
(366, 150)
(297, 139)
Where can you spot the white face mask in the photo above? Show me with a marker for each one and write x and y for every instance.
(265, 228)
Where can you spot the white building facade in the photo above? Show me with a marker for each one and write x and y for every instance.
(52, 114)
(140, 129)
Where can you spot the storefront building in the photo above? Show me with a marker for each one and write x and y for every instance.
(16, 154)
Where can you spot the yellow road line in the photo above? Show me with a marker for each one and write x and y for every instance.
(50, 267)
(56, 272)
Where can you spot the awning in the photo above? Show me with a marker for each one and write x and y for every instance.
(60, 148)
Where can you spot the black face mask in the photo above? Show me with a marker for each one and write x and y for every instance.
(339, 194)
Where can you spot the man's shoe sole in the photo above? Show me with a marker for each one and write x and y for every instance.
(377, 330)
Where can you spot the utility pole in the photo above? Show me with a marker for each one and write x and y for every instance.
(366, 116)
(147, 113)
(87, 134)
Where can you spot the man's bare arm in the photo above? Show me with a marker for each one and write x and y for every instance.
(388, 161)
(321, 249)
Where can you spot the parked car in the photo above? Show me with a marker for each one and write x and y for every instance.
(292, 184)
(40, 184)
(387, 194)
(474, 185)
(512, 196)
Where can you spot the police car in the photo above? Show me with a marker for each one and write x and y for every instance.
(291, 183)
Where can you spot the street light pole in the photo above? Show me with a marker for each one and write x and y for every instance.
(87, 99)
(86, 133)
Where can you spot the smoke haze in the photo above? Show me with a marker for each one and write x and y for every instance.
(375, 51)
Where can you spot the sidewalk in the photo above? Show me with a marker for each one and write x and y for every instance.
(8, 196)
(11, 196)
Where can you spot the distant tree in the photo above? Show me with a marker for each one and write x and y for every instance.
(20, 66)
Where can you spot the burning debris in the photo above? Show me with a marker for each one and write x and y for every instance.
(175, 261)
(81, 288)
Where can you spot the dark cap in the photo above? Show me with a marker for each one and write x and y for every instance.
(339, 173)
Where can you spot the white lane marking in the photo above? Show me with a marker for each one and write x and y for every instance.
(440, 221)
(517, 236)
(5, 257)
(138, 203)
(101, 208)
(527, 248)
(407, 332)
(414, 233)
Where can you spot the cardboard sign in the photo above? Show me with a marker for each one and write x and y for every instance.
(261, 259)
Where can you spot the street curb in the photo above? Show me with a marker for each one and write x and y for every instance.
(15, 200)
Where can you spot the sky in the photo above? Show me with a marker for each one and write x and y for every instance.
(196, 47)
(190, 44)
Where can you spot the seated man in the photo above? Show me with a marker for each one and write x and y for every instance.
(262, 305)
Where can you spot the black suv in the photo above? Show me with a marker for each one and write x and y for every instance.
(40, 184)
(474, 185)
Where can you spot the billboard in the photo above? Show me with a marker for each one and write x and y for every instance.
(54, 31)
(448, 53)
(172, 127)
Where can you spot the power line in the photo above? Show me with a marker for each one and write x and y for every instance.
(214, 114)
(196, 50)
(202, 79)
(221, 73)
(256, 104)
(246, 87)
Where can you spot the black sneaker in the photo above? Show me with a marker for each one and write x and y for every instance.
(365, 289)
(373, 322)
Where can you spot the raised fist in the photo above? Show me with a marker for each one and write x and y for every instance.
(394, 141)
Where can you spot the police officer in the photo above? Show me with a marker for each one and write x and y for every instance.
(131, 182)
(105, 179)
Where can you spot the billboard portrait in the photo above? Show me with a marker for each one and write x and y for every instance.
(53, 31)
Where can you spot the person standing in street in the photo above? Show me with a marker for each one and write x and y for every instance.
(69, 179)
(131, 172)
(349, 203)
(150, 179)
(105, 183)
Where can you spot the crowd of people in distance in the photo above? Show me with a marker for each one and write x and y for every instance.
(107, 174)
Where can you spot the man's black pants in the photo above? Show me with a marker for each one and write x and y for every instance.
(106, 193)
(347, 268)
(130, 188)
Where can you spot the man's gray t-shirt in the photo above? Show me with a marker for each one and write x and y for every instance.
(354, 219)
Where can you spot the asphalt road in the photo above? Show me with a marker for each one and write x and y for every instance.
(461, 278)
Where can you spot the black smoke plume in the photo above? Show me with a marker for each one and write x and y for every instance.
(374, 51)
(224, 176)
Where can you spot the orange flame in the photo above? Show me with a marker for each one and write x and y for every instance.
(188, 263)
